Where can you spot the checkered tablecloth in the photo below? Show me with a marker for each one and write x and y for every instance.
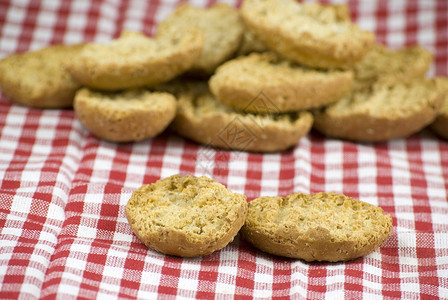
(63, 230)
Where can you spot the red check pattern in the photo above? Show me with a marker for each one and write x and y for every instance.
(63, 230)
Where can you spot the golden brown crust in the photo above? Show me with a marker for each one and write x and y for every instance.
(126, 116)
(317, 227)
(310, 34)
(186, 216)
(383, 63)
(134, 60)
(205, 120)
(440, 124)
(38, 78)
(221, 27)
(287, 86)
(388, 111)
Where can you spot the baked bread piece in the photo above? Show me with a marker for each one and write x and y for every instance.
(390, 110)
(126, 116)
(250, 43)
(135, 60)
(205, 120)
(38, 78)
(310, 34)
(288, 86)
(381, 62)
(222, 29)
(440, 124)
(186, 216)
(317, 227)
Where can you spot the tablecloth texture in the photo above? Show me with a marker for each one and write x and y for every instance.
(63, 230)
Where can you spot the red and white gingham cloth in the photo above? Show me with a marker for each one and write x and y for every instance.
(63, 230)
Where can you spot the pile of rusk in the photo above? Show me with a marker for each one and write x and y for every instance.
(255, 79)
(193, 216)
(267, 73)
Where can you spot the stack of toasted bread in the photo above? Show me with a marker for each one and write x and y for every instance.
(272, 71)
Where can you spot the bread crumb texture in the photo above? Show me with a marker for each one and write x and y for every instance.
(186, 216)
(126, 116)
(317, 227)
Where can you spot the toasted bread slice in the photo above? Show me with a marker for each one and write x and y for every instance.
(310, 34)
(186, 216)
(389, 110)
(287, 86)
(135, 60)
(381, 62)
(206, 120)
(317, 227)
(222, 29)
(250, 43)
(38, 78)
(126, 116)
